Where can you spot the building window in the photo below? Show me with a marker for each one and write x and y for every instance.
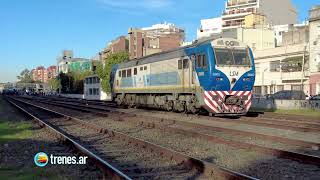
(135, 71)
(179, 64)
(141, 68)
(90, 91)
(145, 68)
(275, 66)
(280, 88)
(129, 73)
(257, 90)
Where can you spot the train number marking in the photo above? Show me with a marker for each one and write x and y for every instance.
(234, 73)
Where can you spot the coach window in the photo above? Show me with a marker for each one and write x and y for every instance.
(199, 59)
(119, 73)
(204, 60)
(135, 71)
(129, 73)
(185, 64)
(124, 73)
(179, 64)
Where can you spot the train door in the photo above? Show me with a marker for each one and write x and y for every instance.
(185, 69)
(201, 65)
(140, 77)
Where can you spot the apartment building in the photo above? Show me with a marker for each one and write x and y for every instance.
(209, 27)
(276, 12)
(314, 43)
(295, 65)
(121, 44)
(42, 74)
(154, 39)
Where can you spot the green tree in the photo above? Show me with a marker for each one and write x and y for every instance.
(25, 76)
(72, 82)
(104, 70)
(54, 84)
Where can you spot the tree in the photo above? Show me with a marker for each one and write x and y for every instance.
(104, 71)
(25, 76)
(54, 84)
(72, 82)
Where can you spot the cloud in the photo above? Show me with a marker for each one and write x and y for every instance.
(136, 6)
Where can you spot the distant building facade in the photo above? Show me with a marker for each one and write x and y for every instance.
(42, 74)
(154, 39)
(209, 27)
(67, 63)
(276, 11)
(256, 38)
(120, 44)
(314, 41)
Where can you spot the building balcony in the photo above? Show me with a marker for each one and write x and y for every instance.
(241, 3)
(294, 75)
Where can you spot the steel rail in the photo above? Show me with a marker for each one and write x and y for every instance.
(209, 169)
(108, 170)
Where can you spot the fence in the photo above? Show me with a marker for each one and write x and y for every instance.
(285, 104)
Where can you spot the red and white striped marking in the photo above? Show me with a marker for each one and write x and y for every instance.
(217, 105)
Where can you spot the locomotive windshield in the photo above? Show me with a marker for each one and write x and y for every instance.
(229, 57)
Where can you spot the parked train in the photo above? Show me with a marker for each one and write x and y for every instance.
(214, 75)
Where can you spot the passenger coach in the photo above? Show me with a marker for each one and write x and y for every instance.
(217, 76)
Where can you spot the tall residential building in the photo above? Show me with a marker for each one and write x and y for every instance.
(314, 41)
(52, 72)
(209, 27)
(154, 39)
(256, 38)
(276, 11)
(121, 44)
(40, 74)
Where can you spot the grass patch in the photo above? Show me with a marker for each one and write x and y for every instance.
(29, 173)
(14, 131)
(301, 112)
(307, 112)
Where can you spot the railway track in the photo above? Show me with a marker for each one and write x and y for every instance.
(101, 110)
(191, 129)
(123, 153)
(202, 131)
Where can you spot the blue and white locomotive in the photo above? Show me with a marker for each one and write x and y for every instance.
(216, 75)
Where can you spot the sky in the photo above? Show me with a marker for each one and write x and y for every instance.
(34, 32)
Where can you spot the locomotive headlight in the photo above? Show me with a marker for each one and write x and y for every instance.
(219, 79)
(246, 79)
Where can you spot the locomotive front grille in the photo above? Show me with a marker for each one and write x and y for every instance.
(232, 100)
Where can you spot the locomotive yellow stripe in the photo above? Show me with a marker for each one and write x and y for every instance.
(158, 88)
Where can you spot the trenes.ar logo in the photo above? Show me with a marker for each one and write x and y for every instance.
(41, 159)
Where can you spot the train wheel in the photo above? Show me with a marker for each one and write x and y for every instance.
(169, 106)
